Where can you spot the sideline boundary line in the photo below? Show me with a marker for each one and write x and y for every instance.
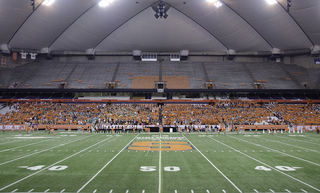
(213, 164)
(267, 165)
(51, 165)
(39, 151)
(276, 151)
(106, 165)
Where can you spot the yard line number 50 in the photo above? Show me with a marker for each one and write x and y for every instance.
(153, 168)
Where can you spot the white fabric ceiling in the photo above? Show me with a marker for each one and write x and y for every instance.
(194, 25)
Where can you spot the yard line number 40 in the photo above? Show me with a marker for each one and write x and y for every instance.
(39, 167)
(282, 168)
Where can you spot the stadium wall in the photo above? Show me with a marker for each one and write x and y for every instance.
(306, 61)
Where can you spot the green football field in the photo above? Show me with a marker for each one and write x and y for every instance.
(150, 163)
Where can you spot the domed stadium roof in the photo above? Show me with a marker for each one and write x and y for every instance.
(194, 25)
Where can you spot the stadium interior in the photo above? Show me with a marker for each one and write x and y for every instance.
(160, 52)
(159, 96)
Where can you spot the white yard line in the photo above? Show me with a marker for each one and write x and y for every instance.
(24, 145)
(40, 151)
(267, 165)
(292, 145)
(310, 137)
(106, 165)
(9, 142)
(94, 149)
(51, 165)
(159, 189)
(276, 151)
(293, 139)
(149, 149)
(213, 165)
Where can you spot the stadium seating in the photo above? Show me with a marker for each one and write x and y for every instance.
(224, 75)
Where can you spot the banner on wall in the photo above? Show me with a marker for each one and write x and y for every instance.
(33, 56)
(23, 55)
(12, 127)
(14, 56)
(307, 127)
(3, 61)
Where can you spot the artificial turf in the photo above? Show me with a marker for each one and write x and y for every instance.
(210, 163)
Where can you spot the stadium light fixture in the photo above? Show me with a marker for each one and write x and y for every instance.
(105, 3)
(47, 2)
(32, 3)
(271, 2)
(289, 4)
(161, 10)
(216, 3)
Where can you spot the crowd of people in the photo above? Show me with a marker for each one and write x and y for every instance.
(52, 113)
(303, 114)
(235, 113)
(240, 113)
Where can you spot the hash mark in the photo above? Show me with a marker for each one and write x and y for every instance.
(256, 190)
(62, 190)
(271, 191)
(22, 166)
(30, 190)
(223, 191)
(95, 191)
(47, 190)
(127, 191)
(304, 191)
(208, 191)
(15, 190)
(287, 190)
(111, 191)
